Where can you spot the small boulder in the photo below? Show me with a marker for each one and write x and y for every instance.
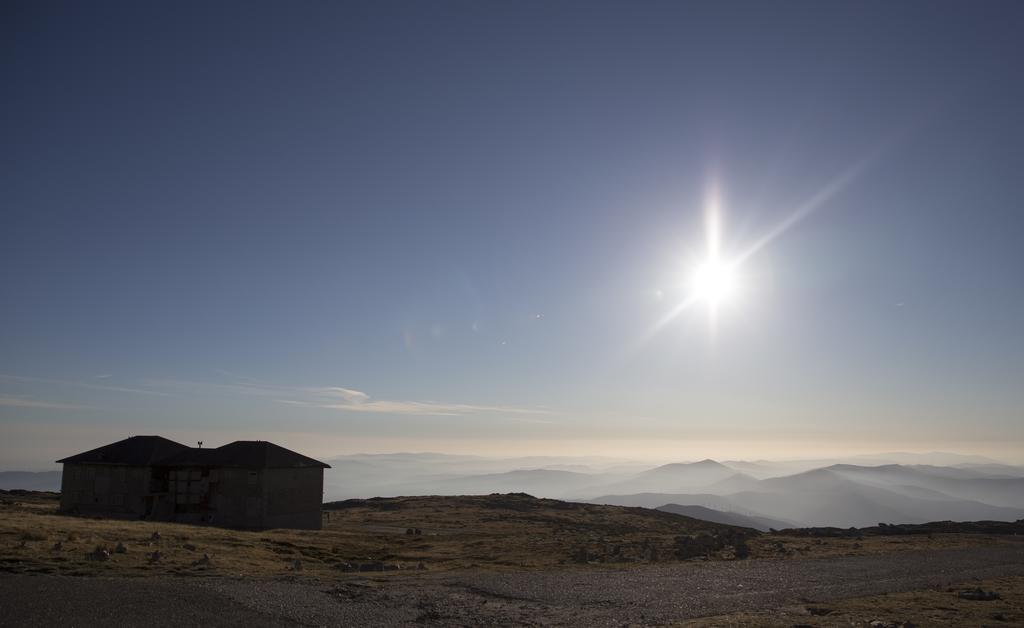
(979, 595)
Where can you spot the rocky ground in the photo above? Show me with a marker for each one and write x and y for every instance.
(761, 592)
(491, 532)
(495, 560)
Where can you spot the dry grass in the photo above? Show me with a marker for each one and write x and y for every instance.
(491, 532)
(497, 532)
(930, 607)
(782, 546)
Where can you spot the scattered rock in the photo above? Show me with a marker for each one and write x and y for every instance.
(155, 557)
(978, 594)
(651, 554)
(695, 546)
(155, 536)
(120, 548)
(741, 550)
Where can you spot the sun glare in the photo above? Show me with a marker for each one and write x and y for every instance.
(713, 282)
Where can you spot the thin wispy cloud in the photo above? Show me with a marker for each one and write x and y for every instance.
(420, 408)
(349, 399)
(63, 382)
(22, 402)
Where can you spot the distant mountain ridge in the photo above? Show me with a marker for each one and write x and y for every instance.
(852, 491)
(729, 518)
(30, 480)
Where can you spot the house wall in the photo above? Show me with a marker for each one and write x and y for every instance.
(236, 498)
(265, 498)
(233, 497)
(113, 490)
(294, 498)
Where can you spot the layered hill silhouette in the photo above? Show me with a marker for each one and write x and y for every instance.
(762, 493)
(727, 518)
(858, 491)
(30, 480)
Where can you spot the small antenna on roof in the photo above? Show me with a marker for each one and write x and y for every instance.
(200, 444)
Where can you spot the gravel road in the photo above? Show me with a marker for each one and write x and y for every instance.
(586, 597)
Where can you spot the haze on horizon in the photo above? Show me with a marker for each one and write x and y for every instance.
(656, 231)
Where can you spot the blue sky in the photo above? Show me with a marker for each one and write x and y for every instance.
(454, 226)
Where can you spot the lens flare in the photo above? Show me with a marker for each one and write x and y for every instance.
(713, 282)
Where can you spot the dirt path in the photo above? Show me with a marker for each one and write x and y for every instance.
(606, 597)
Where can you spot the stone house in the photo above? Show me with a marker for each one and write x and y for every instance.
(245, 484)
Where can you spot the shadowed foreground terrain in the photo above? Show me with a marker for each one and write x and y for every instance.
(911, 586)
(494, 532)
(477, 560)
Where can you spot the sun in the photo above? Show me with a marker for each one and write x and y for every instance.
(713, 282)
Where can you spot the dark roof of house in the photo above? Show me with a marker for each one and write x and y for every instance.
(160, 452)
(250, 454)
(190, 456)
(134, 451)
